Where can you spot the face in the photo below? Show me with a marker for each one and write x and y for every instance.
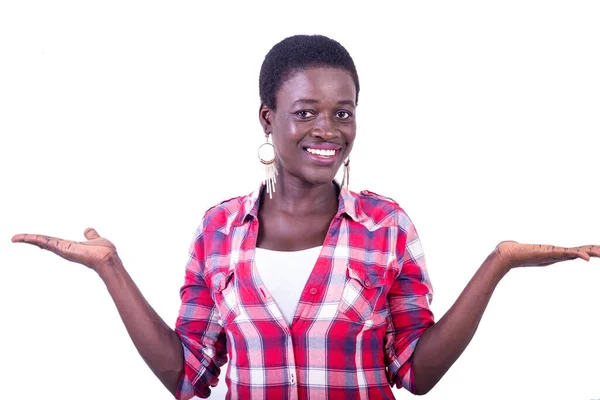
(314, 126)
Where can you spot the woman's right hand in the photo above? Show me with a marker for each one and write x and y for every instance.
(95, 253)
(158, 344)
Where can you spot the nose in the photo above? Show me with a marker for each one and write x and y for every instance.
(325, 127)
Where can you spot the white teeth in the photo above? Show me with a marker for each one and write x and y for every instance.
(322, 152)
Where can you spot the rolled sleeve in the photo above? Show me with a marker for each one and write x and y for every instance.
(408, 301)
(202, 337)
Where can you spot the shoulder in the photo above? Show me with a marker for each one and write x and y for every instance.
(383, 211)
(220, 216)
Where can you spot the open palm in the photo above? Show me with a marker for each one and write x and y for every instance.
(93, 253)
(538, 255)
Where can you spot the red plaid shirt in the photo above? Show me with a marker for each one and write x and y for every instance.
(360, 315)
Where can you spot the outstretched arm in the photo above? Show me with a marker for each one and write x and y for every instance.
(159, 345)
(442, 343)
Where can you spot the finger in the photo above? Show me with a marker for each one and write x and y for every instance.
(590, 251)
(573, 252)
(90, 233)
(63, 249)
(42, 241)
(66, 249)
(583, 255)
(17, 238)
(594, 251)
(28, 238)
(550, 252)
(557, 253)
(577, 252)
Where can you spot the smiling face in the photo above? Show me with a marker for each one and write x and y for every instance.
(314, 126)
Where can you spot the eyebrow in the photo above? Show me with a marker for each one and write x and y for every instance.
(313, 101)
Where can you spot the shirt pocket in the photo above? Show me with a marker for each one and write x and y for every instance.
(363, 296)
(226, 296)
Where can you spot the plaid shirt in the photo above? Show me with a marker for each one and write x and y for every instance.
(360, 315)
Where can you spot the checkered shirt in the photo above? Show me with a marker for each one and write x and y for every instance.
(360, 315)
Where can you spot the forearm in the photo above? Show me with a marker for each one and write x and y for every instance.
(442, 343)
(157, 343)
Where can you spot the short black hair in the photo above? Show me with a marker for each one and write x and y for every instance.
(296, 53)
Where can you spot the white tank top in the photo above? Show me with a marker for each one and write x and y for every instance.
(285, 273)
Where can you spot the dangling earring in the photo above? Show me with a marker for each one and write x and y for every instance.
(266, 155)
(346, 178)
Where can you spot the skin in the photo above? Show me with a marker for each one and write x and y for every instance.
(298, 217)
(314, 106)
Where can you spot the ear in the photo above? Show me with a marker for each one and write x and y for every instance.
(265, 116)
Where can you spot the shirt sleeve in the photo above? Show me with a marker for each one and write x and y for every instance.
(408, 301)
(202, 337)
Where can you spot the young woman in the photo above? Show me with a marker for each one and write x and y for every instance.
(309, 289)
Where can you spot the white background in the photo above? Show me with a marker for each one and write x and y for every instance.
(480, 119)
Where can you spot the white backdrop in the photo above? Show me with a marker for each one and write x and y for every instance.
(481, 120)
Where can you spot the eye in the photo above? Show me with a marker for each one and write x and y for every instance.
(304, 114)
(343, 114)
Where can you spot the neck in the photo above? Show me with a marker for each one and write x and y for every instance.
(301, 198)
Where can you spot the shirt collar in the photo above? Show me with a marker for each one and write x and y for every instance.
(348, 205)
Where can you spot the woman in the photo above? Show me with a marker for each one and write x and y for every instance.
(313, 291)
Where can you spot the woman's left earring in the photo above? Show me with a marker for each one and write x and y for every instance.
(346, 177)
(266, 155)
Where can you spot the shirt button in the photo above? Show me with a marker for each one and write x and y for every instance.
(313, 291)
(368, 283)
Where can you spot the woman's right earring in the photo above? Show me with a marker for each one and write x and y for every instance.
(268, 160)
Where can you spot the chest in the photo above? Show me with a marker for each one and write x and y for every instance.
(287, 233)
(348, 282)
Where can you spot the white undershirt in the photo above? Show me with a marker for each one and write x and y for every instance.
(284, 274)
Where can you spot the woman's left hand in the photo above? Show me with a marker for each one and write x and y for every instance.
(443, 342)
(513, 254)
